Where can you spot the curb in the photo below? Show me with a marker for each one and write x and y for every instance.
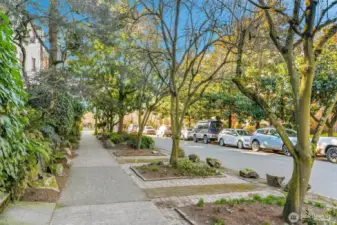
(185, 216)
(170, 178)
(4, 200)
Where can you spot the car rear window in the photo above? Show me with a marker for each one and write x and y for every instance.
(217, 125)
(243, 132)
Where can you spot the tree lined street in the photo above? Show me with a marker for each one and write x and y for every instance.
(139, 68)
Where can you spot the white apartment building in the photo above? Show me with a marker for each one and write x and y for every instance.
(36, 55)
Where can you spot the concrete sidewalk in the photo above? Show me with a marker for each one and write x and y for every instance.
(100, 192)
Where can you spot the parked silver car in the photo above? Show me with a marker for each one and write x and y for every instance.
(187, 133)
(207, 130)
(234, 137)
(268, 138)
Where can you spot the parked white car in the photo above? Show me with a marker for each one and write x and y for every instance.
(149, 130)
(164, 131)
(234, 137)
(268, 138)
(328, 146)
(187, 133)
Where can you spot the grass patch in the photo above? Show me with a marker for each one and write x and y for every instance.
(269, 200)
(128, 161)
(198, 190)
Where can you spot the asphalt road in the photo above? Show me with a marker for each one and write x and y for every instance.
(323, 179)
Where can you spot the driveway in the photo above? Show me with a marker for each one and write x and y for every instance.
(323, 179)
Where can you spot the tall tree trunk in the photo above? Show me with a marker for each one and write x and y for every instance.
(96, 128)
(140, 136)
(304, 154)
(175, 120)
(23, 63)
(111, 122)
(121, 123)
(140, 130)
(298, 186)
(230, 120)
(257, 126)
(53, 31)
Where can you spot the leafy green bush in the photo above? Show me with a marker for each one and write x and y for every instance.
(147, 142)
(219, 221)
(118, 138)
(12, 140)
(201, 203)
(189, 168)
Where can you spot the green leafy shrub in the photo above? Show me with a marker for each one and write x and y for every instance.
(310, 218)
(219, 221)
(188, 168)
(118, 138)
(49, 132)
(332, 212)
(147, 142)
(12, 140)
(201, 203)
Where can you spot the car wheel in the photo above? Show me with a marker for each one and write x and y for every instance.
(256, 146)
(240, 145)
(285, 150)
(195, 138)
(331, 154)
(221, 142)
(206, 140)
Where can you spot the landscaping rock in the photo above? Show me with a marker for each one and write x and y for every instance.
(213, 162)
(69, 162)
(286, 187)
(249, 173)
(34, 172)
(194, 158)
(67, 151)
(48, 181)
(57, 169)
(108, 144)
(155, 152)
(274, 181)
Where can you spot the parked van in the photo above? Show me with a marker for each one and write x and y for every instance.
(207, 130)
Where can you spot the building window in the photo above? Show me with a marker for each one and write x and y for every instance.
(33, 37)
(33, 64)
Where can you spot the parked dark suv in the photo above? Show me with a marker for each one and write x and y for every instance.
(207, 130)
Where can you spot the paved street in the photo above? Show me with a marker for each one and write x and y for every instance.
(323, 179)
